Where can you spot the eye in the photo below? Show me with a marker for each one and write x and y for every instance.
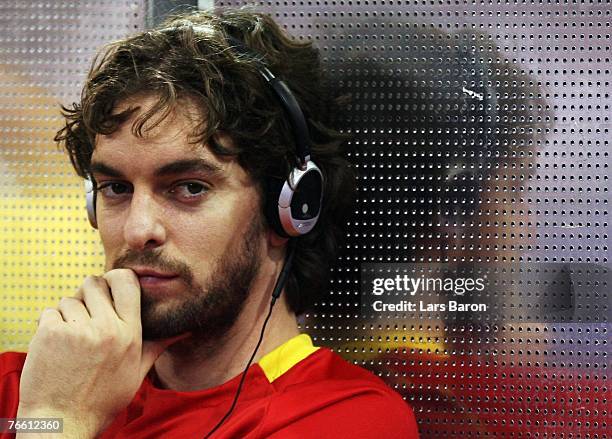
(114, 189)
(189, 189)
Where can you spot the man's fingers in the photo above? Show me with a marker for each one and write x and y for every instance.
(125, 290)
(73, 310)
(50, 316)
(97, 298)
(79, 295)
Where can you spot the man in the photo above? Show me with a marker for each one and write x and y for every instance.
(185, 136)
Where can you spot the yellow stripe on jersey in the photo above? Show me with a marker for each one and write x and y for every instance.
(287, 355)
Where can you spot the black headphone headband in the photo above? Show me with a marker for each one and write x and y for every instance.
(292, 206)
(287, 100)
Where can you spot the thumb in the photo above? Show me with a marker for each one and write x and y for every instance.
(151, 350)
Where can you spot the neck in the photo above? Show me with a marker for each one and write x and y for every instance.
(192, 364)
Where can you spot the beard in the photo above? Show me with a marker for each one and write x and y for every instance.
(207, 310)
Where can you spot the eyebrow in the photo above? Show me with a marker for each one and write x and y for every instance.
(173, 168)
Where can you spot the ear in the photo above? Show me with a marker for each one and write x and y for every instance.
(274, 240)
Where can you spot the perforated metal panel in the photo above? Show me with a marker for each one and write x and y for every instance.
(480, 134)
(481, 137)
(47, 247)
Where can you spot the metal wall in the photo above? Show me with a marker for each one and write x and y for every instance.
(481, 137)
(480, 131)
(46, 244)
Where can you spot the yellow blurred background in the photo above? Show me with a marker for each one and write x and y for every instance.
(47, 244)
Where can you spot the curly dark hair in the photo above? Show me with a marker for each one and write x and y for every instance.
(189, 56)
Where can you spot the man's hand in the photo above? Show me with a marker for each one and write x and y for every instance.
(87, 358)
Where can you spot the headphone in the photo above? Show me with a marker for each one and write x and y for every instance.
(292, 206)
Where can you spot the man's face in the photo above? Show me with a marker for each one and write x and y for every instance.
(185, 221)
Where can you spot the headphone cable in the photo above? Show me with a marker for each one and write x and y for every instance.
(278, 288)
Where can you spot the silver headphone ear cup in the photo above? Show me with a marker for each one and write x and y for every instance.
(300, 200)
(90, 200)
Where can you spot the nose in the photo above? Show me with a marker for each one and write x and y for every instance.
(144, 226)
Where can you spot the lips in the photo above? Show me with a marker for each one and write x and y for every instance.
(147, 272)
(153, 278)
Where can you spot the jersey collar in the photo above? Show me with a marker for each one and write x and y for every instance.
(287, 355)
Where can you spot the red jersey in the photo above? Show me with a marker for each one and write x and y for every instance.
(295, 391)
